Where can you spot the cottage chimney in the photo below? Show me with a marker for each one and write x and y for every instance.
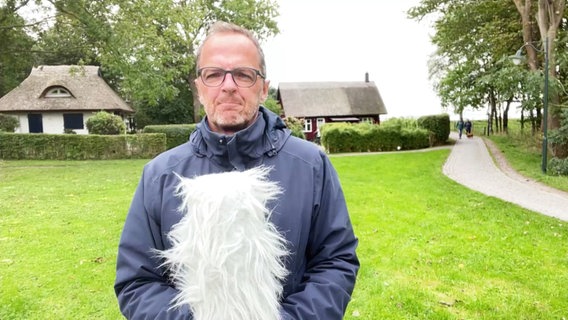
(366, 77)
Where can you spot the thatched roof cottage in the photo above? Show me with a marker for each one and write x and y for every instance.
(320, 102)
(53, 99)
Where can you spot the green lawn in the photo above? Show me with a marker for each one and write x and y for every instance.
(429, 248)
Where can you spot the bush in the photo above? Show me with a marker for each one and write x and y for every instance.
(296, 126)
(364, 137)
(558, 138)
(24, 146)
(273, 105)
(106, 124)
(558, 166)
(439, 127)
(8, 123)
(176, 134)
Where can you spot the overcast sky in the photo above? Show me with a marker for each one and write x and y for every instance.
(333, 40)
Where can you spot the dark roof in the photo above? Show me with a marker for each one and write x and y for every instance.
(330, 99)
(89, 91)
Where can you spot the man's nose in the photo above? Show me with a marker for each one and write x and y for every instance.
(229, 81)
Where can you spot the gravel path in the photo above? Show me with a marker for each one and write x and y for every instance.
(471, 164)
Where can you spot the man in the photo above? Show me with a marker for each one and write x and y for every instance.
(468, 125)
(239, 134)
(460, 126)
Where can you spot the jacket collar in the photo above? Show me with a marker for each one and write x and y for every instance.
(245, 148)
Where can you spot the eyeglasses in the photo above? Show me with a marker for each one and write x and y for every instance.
(243, 77)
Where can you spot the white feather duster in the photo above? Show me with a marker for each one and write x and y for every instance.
(227, 258)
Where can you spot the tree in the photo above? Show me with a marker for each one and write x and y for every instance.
(66, 42)
(174, 111)
(145, 48)
(474, 40)
(272, 103)
(15, 58)
(152, 44)
(549, 16)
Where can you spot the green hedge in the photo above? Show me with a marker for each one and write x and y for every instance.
(439, 127)
(18, 146)
(346, 137)
(176, 134)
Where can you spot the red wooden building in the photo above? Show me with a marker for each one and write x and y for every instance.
(317, 103)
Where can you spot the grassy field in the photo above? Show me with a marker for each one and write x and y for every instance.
(429, 248)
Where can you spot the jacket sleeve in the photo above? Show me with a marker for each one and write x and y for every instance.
(141, 285)
(332, 263)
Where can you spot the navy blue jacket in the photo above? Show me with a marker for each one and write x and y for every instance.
(311, 213)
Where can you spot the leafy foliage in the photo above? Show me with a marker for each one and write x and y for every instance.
(65, 43)
(475, 39)
(559, 136)
(366, 137)
(438, 126)
(146, 48)
(105, 123)
(273, 105)
(8, 123)
(151, 44)
(296, 126)
(558, 166)
(174, 111)
(176, 134)
(15, 58)
(80, 146)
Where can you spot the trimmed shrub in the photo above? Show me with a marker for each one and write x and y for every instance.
(8, 123)
(24, 146)
(346, 137)
(106, 124)
(176, 134)
(438, 126)
(415, 138)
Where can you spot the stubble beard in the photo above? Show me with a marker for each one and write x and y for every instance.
(232, 123)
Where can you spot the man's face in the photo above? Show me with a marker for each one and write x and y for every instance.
(230, 108)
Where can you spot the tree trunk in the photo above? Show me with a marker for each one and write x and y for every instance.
(549, 17)
(506, 116)
(525, 12)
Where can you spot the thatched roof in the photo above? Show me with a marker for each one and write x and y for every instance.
(89, 91)
(329, 99)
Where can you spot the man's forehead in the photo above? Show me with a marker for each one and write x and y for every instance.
(229, 44)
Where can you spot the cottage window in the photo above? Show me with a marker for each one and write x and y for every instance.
(367, 120)
(57, 92)
(307, 125)
(73, 121)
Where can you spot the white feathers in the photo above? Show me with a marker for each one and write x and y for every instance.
(227, 257)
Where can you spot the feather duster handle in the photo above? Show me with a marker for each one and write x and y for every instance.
(227, 258)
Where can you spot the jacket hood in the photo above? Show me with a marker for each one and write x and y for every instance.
(244, 149)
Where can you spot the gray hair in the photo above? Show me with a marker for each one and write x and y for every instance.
(226, 27)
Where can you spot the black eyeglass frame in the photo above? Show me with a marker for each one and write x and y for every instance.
(256, 72)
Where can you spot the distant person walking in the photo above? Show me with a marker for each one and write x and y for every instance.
(468, 126)
(460, 126)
